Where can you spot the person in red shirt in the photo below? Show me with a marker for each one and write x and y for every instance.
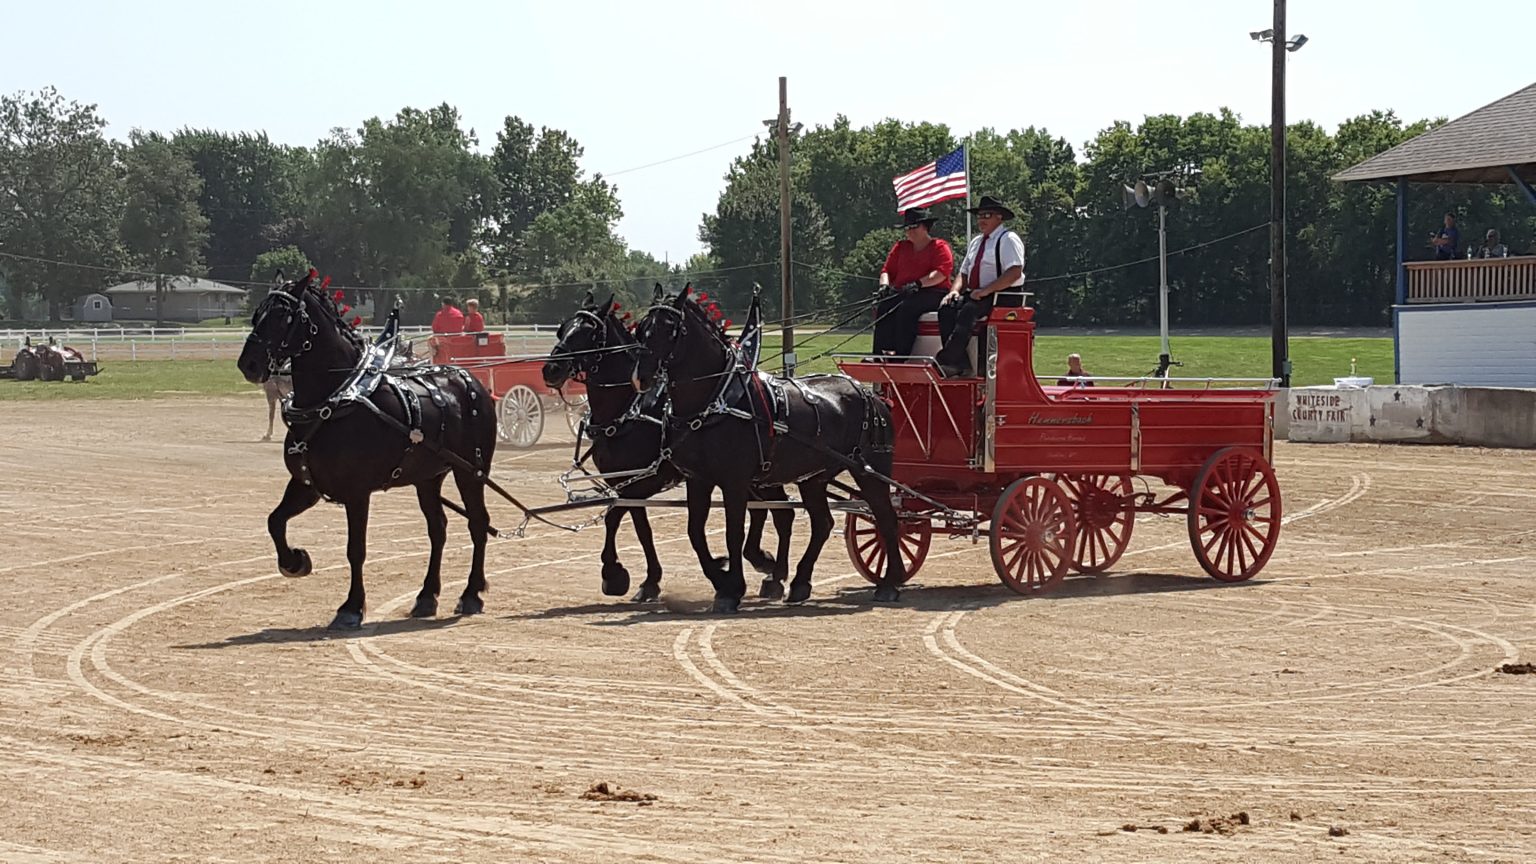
(474, 322)
(448, 319)
(914, 281)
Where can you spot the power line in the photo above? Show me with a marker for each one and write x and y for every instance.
(682, 156)
(1038, 279)
(402, 289)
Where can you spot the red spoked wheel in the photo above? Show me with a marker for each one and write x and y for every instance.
(1100, 504)
(1032, 535)
(1234, 514)
(867, 551)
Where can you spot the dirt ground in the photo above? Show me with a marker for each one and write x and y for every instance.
(165, 695)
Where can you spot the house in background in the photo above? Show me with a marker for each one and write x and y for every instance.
(93, 309)
(186, 299)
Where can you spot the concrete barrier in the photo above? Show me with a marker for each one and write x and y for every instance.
(1325, 414)
(1407, 414)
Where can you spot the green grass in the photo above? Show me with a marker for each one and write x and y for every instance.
(1314, 360)
(146, 379)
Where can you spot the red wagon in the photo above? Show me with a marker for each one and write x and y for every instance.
(1046, 472)
(522, 399)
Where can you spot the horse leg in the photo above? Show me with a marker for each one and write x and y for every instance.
(733, 585)
(473, 493)
(753, 552)
(783, 525)
(350, 615)
(296, 499)
(878, 495)
(615, 576)
(429, 495)
(699, 495)
(650, 589)
(271, 415)
(814, 494)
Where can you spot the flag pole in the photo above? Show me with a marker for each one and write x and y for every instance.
(965, 149)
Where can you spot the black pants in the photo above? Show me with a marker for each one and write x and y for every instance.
(895, 333)
(958, 320)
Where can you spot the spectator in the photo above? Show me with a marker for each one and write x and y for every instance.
(1491, 247)
(1076, 376)
(1447, 240)
(448, 319)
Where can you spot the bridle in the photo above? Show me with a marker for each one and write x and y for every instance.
(298, 328)
(295, 324)
(587, 361)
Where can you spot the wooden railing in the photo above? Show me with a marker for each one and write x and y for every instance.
(1481, 280)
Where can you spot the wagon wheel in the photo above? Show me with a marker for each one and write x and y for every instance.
(1234, 514)
(575, 412)
(1104, 520)
(867, 551)
(522, 416)
(1032, 535)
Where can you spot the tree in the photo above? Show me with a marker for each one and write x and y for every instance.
(60, 199)
(288, 261)
(250, 194)
(163, 229)
(536, 172)
(397, 202)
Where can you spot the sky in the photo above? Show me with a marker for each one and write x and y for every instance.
(641, 82)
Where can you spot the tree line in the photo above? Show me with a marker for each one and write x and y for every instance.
(413, 205)
(1079, 235)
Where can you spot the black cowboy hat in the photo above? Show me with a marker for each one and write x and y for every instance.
(990, 203)
(918, 216)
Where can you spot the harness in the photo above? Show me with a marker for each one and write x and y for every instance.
(376, 368)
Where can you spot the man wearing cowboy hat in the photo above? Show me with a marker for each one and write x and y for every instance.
(919, 266)
(994, 262)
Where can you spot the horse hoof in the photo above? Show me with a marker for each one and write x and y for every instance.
(615, 580)
(469, 605)
(647, 593)
(761, 561)
(346, 620)
(425, 607)
(799, 592)
(302, 568)
(772, 589)
(727, 605)
(887, 594)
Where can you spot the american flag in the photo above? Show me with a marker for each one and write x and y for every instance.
(940, 180)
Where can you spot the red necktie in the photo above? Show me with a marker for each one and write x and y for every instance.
(981, 250)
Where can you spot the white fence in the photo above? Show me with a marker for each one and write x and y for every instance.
(208, 343)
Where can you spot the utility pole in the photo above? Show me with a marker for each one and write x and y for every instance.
(1280, 350)
(786, 284)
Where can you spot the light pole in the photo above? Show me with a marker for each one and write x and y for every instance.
(1279, 347)
(1162, 192)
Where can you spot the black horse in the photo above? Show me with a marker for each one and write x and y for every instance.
(626, 429)
(733, 428)
(358, 425)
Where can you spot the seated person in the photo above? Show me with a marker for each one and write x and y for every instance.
(474, 322)
(994, 262)
(448, 319)
(918, 269)
(1491, 247)
(1076, 377)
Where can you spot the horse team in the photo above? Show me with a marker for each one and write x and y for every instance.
(673, 400)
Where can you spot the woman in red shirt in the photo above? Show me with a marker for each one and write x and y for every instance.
(919, 268)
